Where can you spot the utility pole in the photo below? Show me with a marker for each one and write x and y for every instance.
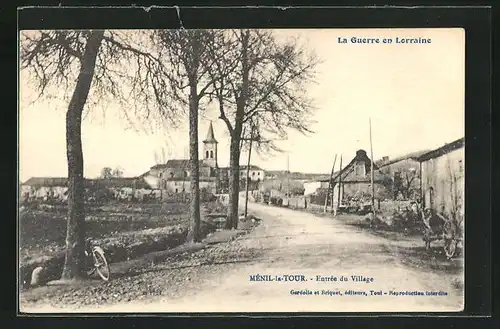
(253, 138)
(330, 186)
(340, 183)
(288, 175)
(372, 171)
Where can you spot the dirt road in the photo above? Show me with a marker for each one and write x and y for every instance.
(316, 251)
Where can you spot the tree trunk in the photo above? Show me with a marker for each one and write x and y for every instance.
(75, 235)
(248, 175)
(235, 148)
(234, 183)
(194, 205)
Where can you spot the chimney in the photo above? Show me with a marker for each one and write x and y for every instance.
(385, 159)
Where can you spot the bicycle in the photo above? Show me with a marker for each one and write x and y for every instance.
(96, 261)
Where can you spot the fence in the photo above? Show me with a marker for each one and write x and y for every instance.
(297, 202)
(223, 198)
(393, 205)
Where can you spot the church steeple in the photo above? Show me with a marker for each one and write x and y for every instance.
(210, 135)
(210, 148)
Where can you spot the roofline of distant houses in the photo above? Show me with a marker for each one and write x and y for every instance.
(447, 148)
(86, 180)
(393, 161)
(158, 166)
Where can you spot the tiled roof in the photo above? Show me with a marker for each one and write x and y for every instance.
(101, 182)
(187, 179)
(447, 148)
(121, 182)
(360, 157)
(47, 181)
(178, 163)
(412, 156)
(252, 167)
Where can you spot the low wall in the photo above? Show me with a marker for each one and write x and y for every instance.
(392, 205)
(297, 202)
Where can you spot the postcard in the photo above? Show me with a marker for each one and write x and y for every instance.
(245, 170)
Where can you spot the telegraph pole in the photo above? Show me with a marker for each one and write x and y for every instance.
(330, 186)
(372, 171)
(340, 183)
(288, 175)
(253, 138)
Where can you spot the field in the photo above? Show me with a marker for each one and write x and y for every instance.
(124, 230)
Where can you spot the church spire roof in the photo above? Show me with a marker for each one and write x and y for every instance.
(210, 135)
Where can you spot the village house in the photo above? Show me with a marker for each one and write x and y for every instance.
(404, 172)
(256, 173)
(355, 180)
(44, 188)
(312, 186)
(55, 188)
(443, 178)
(281, 186)
(174, 176)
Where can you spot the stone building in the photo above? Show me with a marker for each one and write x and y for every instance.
(355, 181)
(174, 176)
(443, 178)
(404, 173)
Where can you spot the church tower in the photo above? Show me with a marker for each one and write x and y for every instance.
(210, 148)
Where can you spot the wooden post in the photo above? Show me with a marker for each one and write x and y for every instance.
(421, 188)
(372, 169)
(340, 183)
(288, 175)
(330, 186)
(161, 189)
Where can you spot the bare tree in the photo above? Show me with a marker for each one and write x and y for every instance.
(117, 172)
(106, 172)
(92, 66)
(186, 53)
(406, 184)
(265, 79)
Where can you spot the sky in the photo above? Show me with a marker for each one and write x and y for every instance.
(414, 95)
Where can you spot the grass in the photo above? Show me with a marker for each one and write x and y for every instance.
(42, 230)
(124, 230)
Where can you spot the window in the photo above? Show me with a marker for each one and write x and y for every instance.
(171, 175)
(253, 174)
(176, 190)
(161, 174)
(460, 166)
(206, 154)
(359, 170)
(185, 174)
(211, 154)
(258, 174)
(431, 198)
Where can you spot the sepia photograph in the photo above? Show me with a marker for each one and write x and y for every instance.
(241, 170)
